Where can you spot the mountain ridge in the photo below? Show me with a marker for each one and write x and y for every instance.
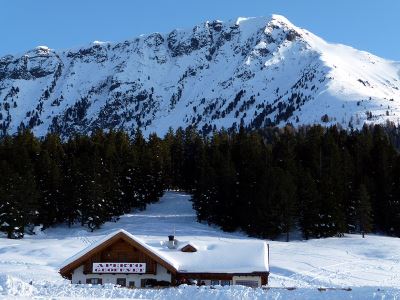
(257, 72)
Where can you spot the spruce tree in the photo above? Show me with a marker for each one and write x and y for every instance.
(308, 204)
(363, 211)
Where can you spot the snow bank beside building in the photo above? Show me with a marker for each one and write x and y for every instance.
(12, 286)
(66, 291)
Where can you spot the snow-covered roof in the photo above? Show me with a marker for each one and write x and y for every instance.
(220, 255)
(213, 255)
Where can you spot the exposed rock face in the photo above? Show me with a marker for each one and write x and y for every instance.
(256, 72)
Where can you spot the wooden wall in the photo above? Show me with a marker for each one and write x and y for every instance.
(121, 251)
(221, 276)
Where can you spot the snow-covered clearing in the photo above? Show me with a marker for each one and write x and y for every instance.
(370, 266)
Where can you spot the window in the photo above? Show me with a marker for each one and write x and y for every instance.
(94, 281)
(148, 282)
(214, 282)
(249, 283)
(131, 284)
(225, 282)
(121, 281)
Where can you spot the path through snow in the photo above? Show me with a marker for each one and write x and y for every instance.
(333, 262)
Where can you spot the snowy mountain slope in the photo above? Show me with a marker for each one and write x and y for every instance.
(255, 71)
(362, 264)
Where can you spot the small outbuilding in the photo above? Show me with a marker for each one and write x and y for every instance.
(127, 260)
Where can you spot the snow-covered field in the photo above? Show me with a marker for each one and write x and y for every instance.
(370, 266)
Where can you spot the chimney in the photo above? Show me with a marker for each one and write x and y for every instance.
(171, 242)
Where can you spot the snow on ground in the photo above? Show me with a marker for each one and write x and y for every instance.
(364, 265)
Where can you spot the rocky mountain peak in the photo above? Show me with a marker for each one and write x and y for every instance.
(250, 71)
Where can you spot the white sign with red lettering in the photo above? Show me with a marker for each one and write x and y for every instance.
(111, 267)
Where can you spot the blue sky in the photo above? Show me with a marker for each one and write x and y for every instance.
(364, 24)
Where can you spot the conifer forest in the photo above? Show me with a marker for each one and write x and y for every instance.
(268, 183)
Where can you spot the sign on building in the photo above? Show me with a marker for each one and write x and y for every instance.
(111, 267)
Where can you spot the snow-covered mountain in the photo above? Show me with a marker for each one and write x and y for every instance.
(255, 71)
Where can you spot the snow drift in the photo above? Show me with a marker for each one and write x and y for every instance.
(13, 286)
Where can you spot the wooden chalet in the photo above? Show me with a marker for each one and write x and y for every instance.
(123, 259)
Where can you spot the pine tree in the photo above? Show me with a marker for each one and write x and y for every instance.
(395, 201)
(363, 212)
(72, 188)
(49, 186)
(225, 201)
(177, 158)
(11, 215)
(156, 177)
(308, 204)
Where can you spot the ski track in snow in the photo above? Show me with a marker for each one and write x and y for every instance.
(363, 264)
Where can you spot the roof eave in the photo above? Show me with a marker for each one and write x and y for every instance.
(66, 271)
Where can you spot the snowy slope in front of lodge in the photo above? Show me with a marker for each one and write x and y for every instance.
(335, 262)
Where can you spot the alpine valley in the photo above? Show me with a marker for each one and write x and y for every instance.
(254, 72)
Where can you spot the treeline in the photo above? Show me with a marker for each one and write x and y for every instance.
(319, 181)
(323, 182)
(85, 180)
